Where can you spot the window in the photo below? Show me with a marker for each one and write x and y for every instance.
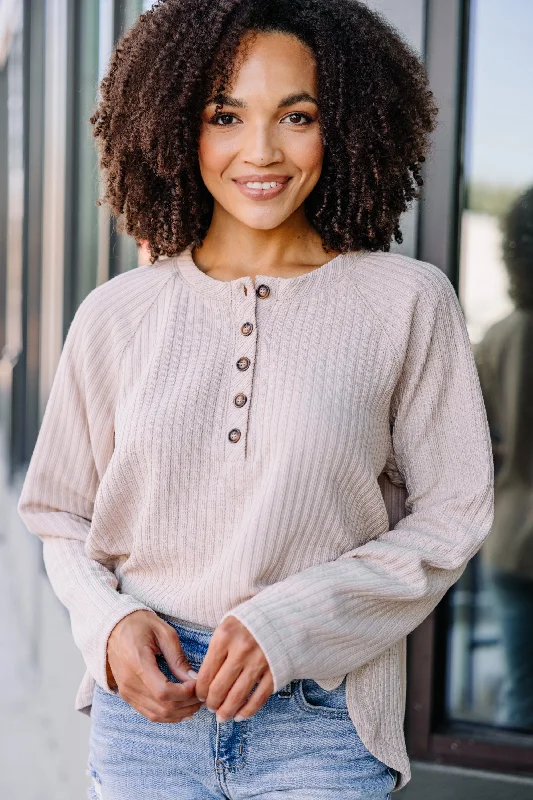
(470, 696)
(490, 669)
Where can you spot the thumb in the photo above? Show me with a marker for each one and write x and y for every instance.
(171, 648)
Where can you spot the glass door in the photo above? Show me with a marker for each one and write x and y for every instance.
(490, 671)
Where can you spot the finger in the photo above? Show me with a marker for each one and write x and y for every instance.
(155, 693)
(215, 657)
(222, 683)
(156, 712)
(138, 695)
(156, 684)
(170, 645)
(239, 693)
(258, 698)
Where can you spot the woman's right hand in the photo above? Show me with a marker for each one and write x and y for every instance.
(132, 668)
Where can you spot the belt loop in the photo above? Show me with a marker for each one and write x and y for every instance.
(286, 691)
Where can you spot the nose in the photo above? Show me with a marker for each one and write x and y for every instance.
(261, 146)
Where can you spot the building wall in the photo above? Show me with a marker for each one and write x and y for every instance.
(73, 251)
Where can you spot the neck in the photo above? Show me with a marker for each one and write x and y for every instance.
(232, 249)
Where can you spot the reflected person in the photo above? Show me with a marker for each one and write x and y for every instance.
(505, 363)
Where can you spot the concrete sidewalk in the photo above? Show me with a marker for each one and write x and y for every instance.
(43, 740)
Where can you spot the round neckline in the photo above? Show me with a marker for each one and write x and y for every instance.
(280, 288)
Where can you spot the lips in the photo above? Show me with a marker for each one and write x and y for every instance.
(262, 178)
(262, 194)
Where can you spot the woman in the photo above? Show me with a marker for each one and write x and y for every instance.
(505, 370)
(265, 457)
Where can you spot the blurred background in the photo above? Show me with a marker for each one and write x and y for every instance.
(469, 718)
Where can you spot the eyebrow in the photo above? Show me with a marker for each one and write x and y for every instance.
(290, 100)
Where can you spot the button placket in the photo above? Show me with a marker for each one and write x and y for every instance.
(242, 368)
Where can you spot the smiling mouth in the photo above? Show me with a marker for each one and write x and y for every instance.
(261, 185)
(261, 190)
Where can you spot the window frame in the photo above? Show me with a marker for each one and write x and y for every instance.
(430, 736)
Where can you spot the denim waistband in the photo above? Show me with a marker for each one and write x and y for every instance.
(183, 623)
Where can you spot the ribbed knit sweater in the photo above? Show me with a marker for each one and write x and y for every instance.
(309, 454)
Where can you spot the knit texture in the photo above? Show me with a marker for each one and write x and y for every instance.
(358, 489)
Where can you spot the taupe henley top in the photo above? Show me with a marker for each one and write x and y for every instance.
(309, 454)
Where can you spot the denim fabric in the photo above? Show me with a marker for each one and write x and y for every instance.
(513, 596)
(301, 745)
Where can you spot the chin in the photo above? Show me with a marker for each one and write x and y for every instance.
(262, 226)
(260, 222)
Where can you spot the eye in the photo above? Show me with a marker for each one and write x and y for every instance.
(306, 118)
(218, 116)
(223, 119)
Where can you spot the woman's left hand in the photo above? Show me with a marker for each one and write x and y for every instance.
(233, 665)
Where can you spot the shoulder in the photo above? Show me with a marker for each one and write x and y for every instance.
(510, 331)
(399, 279)
(511, 325)
(406, 296)
(129, 291)
(116, 308)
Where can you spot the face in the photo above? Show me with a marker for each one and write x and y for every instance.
(266, 131)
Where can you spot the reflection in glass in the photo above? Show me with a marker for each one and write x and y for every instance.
(490, 670)
(505, 364)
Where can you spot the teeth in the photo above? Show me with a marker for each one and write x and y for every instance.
(258, 185)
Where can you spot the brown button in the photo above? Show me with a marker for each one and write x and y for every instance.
(234, 435)
(247, 328)
(240, 400)
(243, 363)
(263, 291)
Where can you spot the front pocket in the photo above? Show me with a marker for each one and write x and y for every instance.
(311, 697)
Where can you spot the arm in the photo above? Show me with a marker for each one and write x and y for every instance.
(332, 618)
(73, 448)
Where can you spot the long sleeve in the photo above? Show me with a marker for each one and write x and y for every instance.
(73, 449)
(334, 617)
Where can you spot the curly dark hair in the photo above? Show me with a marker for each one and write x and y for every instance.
(517, 248)
(376, 113)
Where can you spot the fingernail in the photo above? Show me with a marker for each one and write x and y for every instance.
(220, 718)
(201, 699)
(238, 717)
(192, 674)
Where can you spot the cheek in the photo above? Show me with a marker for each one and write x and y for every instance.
(307, 152)
(213, 156)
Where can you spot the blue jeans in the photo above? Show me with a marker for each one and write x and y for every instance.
(513, 596)
(301, 745)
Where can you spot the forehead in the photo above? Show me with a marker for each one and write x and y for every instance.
(274, 63)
